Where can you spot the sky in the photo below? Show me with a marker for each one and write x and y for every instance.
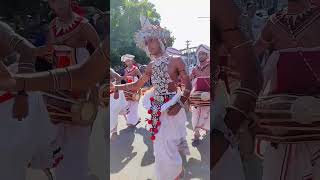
(181, 17)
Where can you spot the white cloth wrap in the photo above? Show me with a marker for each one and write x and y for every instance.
(25, 141)
(116, 106)
(168, 162)
(147, 103)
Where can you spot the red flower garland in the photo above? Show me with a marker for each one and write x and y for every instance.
(155, 117)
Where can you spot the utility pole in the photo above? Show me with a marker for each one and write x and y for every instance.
(188, 56)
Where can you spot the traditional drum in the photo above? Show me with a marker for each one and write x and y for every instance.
(288, 118)
(131, 95)
(70, 107)
(200, 95)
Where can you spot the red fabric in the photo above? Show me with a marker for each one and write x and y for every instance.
(5, 97)
(293, 74)
(202, 84)
(63, 61)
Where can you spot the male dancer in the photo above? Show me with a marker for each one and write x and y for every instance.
(132, 73)
(201, 115)
(70, 33)
(164, 104)
(291, 35)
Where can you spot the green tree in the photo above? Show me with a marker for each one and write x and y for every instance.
(125, 21)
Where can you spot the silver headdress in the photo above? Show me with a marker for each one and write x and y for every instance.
(150, 31)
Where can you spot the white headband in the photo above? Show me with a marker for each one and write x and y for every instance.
(126, 57)
(202, 48)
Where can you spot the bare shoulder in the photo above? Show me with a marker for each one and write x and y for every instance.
(177, 59)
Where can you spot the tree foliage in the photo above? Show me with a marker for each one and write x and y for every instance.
(125, 21)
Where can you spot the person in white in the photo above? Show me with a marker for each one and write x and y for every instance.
(132, 74)
(201, 114)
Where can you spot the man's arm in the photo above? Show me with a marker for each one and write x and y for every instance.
(70, 78)
(115, 75)
(134, 86)
(242, 52)
(181, 68)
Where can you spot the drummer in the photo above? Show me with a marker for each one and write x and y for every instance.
(132, 74)
(200, 114)
(295, 44)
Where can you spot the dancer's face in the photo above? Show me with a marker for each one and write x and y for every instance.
(202, 56)
(153, 46)
(60, 7)
(128, 62)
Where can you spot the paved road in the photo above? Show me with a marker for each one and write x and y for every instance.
(131, 154)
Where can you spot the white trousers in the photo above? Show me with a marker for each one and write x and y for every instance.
(133, 115)
(201, 118)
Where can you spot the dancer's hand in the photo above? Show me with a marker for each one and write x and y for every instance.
(20, 107)
(174, 110)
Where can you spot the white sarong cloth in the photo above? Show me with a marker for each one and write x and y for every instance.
(201, 118)
(170, 140)
(292, 162)
(133, 115)
(98, 153)
(116, 106)
(74, 147)
(23, 142)
(168, 162)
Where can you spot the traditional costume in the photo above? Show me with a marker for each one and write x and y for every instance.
(117, 106)
(64, 106)
(167, 132)
(288, 110)
(26, 143)
(201, 86)
(132, 97)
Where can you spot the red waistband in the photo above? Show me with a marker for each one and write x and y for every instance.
(6, 96)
